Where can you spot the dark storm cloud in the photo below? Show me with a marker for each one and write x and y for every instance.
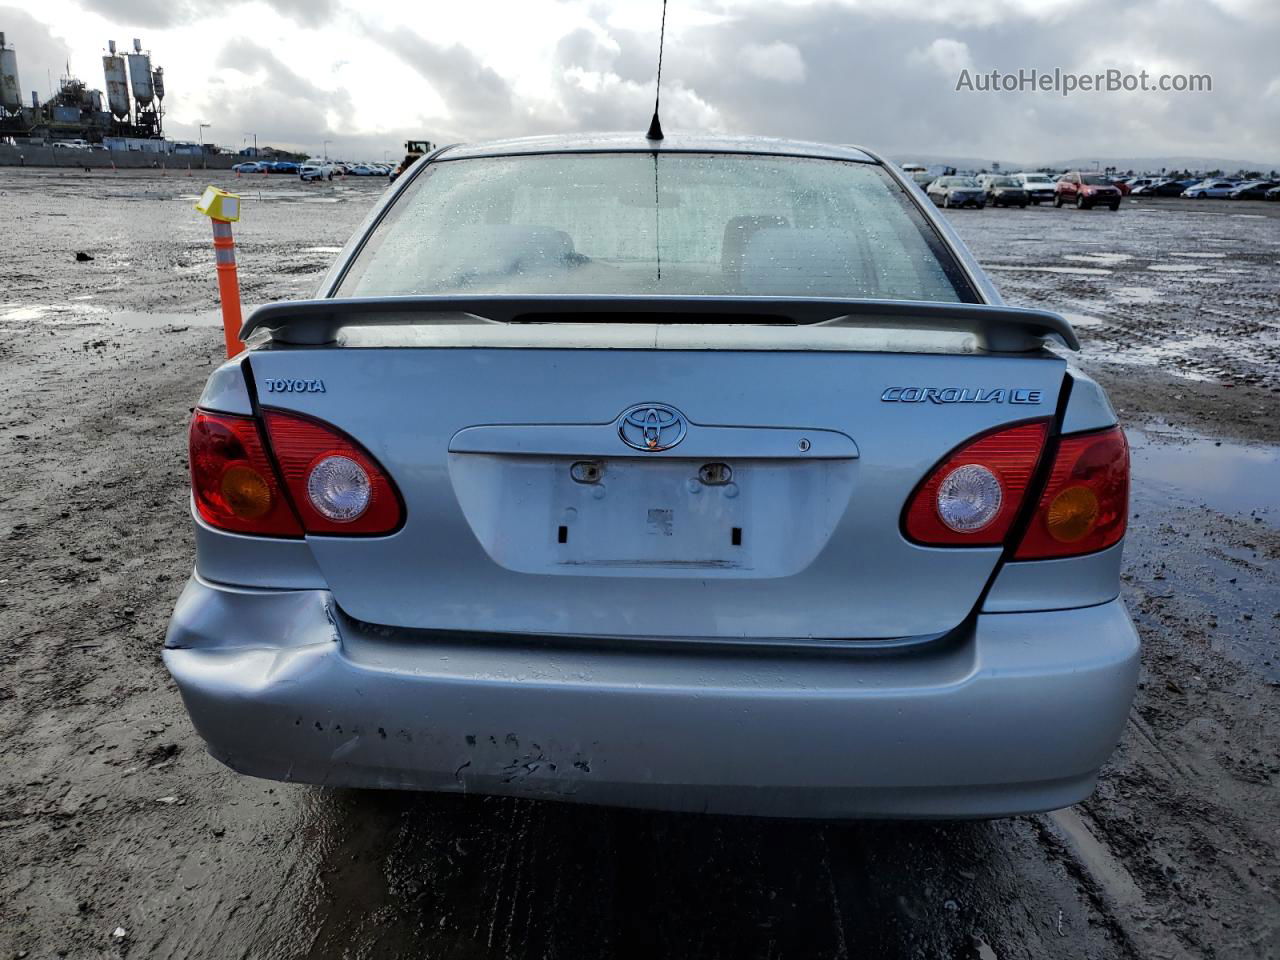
(885, 78)
(248, 57)
(168, 13)
(282, 107)
(480, 101)
(836, 74)
(306, 12)
(41, 54)
(143, 13)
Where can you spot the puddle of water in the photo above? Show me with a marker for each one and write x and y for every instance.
(1076, 271)
(1136, 294)
(1203, 256)
(321, 250)
(1103, 259)
(156, 321)
(1185, 355)
(1227, 477)
(1178, 267)
(47, 313)
(23, 314)
(83, 313)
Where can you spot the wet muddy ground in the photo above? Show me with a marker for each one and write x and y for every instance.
(120, 836)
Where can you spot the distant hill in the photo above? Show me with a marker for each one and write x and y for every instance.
(960, 163)
(1139, 164)
(1170, 163)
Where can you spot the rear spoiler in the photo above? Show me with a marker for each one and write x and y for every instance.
(996, 328)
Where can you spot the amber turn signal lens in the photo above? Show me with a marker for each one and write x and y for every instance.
(1072, 514)
(1086, 501)
(246, 492)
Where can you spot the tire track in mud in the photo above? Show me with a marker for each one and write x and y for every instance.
(1109, 884)
(449, 876)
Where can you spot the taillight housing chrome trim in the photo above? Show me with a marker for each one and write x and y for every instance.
(1011, 452)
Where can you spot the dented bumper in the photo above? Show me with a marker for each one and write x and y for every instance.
(1015, 715)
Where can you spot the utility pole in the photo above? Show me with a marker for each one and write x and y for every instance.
(325, 147)
(203, 126)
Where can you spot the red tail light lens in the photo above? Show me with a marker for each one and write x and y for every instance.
(337, 487)
(232, 479)
(1085, 505)
(972, 497)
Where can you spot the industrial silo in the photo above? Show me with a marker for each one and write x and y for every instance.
(157, 78)
(117, 85)
(140, 75)
(10, 88)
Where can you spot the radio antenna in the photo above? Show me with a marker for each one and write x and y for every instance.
(655, 125)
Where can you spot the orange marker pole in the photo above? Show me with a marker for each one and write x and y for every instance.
(224, 251)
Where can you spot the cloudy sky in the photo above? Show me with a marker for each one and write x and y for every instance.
(367, 75)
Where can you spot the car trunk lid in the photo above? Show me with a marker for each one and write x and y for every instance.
(536, 503)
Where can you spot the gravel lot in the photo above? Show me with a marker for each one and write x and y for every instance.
(120, 836)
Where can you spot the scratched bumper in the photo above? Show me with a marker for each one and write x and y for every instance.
(1017, 716)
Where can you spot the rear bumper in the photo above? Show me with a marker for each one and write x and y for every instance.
(1016, 716)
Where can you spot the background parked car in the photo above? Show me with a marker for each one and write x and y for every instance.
(1139, 185)
(957, 192)
(1252, 190)
(1146, 186)
(1086, 190)
(1003, 191)
(250, 166)
(1170, 188)
(1209, 188)
(1120, 184)
(1272, 194)
(283, 166)
(315, 169)
(1039, 186)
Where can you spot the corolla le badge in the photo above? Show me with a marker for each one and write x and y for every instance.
(652, 427)
(961, 395)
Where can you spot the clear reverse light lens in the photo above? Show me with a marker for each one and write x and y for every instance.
(969, 498)
(339, 488)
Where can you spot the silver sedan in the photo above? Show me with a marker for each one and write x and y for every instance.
(704, 474)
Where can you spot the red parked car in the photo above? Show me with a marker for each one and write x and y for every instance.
(1086, 190)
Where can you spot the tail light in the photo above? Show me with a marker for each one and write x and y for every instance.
(331, 485)
(337, 487)
(232, 480)
(1085, 505)
(973, 496)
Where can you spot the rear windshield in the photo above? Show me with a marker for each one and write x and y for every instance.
(676, 224)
